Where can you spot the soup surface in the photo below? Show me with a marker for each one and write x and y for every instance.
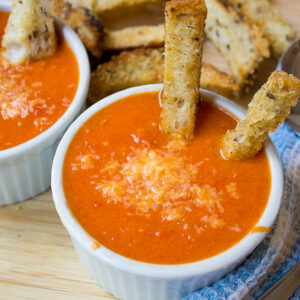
(156, 199)
(33, 96)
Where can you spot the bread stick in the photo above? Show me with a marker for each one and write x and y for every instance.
(30, 32)
(270, 106)
(278, 32)
(185, 21)
(86, 24)
(135, 37)
(241, 43)
(145, 66)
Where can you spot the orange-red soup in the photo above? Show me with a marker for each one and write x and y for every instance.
(159, 200)
(33, 96)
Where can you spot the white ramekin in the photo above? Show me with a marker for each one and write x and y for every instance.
(133, 280)
(25, 170)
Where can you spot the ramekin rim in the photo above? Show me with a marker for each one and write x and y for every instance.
(212, 264)
(39, 142)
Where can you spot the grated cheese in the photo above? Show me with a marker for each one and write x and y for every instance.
(18, 103)
(231, 188)
(160, 180)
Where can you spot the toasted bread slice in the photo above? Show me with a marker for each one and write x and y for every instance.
(278, 32)
(241, 43)
(135, 37)
(86, 24)
(185, 21)
(130, 68)
(101, 6)
(30, 32)
(270, 106)
(145, 66)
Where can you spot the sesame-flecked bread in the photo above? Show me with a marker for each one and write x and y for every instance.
(270, 106)
(241, 43)
(145, 66)
(86, 24)
(278, 32)
(184, 35)
(30, 32)
(135, 37)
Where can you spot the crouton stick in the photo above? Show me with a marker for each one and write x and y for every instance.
(86, 24)
(242, 44)
(134, 37)
(185, 21)
(30, 32)
(278, 32)
(270, 106)
(101, 6)
(145, 66)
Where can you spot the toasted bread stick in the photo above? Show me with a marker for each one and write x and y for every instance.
(278, 32)
(270, 106)
(185, 21)
(241, 43)
(145, 66)
(30, 32)
(135, 37)
(103, 6)
(130, 68)
(86, 24)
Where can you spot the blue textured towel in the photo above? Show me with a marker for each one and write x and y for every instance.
(281, 248)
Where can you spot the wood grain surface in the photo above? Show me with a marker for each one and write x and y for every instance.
(37, 259)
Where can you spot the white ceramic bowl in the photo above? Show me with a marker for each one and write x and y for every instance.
(133, 280)
(25, 170)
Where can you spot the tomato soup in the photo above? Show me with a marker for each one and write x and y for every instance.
(33, 96)
(156, 199)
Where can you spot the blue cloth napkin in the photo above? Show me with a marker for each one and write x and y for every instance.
(281, 248)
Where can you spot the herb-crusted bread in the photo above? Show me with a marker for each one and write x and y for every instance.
(86, 24)
(184, 35)
(270, 106)
(145, 66)
(278, 32)
(30, 31)
(135, 37)
(241, 43)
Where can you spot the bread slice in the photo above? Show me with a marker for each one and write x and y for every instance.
(130, 68)
(86, 24)
(30, 32)
(135, 37)
(101, 6)
(145, 66)
(185, 21)
(278, 32)
(241, 43)
(270, 106)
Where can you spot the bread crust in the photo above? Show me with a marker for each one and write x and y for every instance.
(270, 106)
(185, 21)
(86, 24)
(145, 66)
(30, 32)
(278, 32)
(241, 43)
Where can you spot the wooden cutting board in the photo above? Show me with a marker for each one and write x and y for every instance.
(37, 259)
